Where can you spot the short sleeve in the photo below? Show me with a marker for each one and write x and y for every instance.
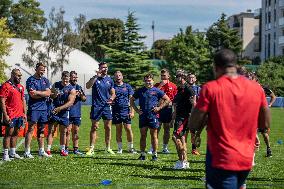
(203, 102)
(160, 93)
(130, 90)
(4, 91)
(30, 85)
(111, 83)
(47, 84)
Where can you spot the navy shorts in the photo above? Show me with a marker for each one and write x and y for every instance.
(180, 127)
(166, 115)
(219, 178)
(16, 122)
(75, 121)
(60, 120)
(149, 121)
(101, 112)
(121, 118)
(38, 116)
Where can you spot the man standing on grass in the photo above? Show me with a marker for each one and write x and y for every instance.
(165, 115)
(103, 95)
(122, 112)
(38, 88)
(183, 103)
(235, 107)
(13, 106)
(63, 95)
(75, 114)
(192, 83)
(149, 97)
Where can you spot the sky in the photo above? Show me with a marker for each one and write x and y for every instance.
(168, 15)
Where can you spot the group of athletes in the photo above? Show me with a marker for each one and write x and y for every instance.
(163, 104)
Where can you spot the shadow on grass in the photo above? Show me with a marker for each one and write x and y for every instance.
(165, 177)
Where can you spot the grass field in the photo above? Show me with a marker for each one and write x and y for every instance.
(126, 172)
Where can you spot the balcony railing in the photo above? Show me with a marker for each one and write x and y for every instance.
(281, 40)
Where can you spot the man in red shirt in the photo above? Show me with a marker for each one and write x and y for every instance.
(165, 116)
(233, 104)
(13, 105)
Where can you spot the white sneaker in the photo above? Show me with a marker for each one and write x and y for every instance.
(150, 151)
(178, 165)
(165, 151)
(28, 155)
(132, 151)
(44, 154)
(185, 165)
(119, 151)
(6, 158)
(15, 156)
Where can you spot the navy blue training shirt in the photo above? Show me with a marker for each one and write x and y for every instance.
(148, 98)
(41, 84)
(122, 92)
(62, 98)
(75, 110)
(101, 91)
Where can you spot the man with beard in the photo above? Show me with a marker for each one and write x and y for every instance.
(13, 106)
(103, 95)
(75, 114)
(38, 88)
(63, 95)
(149, 97)
(122, 113)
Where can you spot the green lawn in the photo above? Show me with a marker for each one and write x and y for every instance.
(126, 172)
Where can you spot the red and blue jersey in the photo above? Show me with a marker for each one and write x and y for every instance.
(62, 97)
(75, 109)
(101, 91)
(40, 84)
(148, 98)
(121, 102)
(14, 94)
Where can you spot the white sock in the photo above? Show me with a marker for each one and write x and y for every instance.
(92, 147)
(48, 147)
(165, 146)
(28, 150)
(108, 147)
(130, 145)
(62, 147)
(12, 151)
(151, 149)
(119, 145)
(143, 153)
(154, 153)
(6, 152)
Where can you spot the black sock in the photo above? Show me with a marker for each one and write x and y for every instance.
(193, 147)
(75, 148)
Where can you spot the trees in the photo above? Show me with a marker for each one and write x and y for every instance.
(103, 31)
(221, 36)
(189, 51)
(271, 74)
(4, 47)
(5, 6)
(27, 19)
(128, 55)
(159, 48)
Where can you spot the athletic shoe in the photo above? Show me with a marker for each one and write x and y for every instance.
(195, 152)
(44, 154)
(178, 165)
(165, 151)
(63, 153)
(6, 158)
(150, 151)
(154, 158)
(268, 152)
(90, 152)
(132, 151)
(185, 165)
(119, 151)
(15, 156)
(77, 152)
(109, 151)
(142, 157)
(48, 152)
(28, 155)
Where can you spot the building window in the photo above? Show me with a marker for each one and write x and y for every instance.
(274, 49)
(269, 3)
(266, 3)
(282, 51)
(282, 32)
(269, 17)
(265, 47)
(274, 35)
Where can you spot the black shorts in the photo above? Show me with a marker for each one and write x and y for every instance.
(180, 126)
